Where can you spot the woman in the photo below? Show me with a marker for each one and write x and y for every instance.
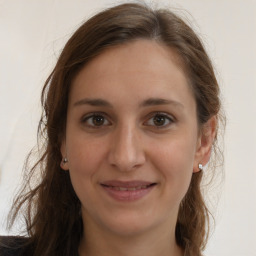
(130, 118)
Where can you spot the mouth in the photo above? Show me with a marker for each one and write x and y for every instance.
(121, 188)
(127, 191)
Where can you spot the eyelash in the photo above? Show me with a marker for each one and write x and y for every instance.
(89, 117)
(86, 118)
(166, 117)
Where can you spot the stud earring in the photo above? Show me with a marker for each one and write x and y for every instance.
(65, 160)
(200, 167)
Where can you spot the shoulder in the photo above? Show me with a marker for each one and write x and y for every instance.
(14, 246)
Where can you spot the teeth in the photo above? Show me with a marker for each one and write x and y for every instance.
(130, 189)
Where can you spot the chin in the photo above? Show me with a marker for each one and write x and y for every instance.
(131, 224)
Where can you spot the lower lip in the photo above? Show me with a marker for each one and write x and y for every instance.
(128, 195)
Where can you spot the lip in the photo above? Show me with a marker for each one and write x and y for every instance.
(127, 190)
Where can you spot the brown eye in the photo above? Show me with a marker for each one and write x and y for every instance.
(98, 120)
(159, 120)
(95, 121)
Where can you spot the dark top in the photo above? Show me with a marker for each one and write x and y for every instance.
(14, 246)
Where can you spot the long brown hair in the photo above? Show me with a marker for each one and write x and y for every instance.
(50, 205)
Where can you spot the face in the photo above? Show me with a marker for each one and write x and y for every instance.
(132, 138)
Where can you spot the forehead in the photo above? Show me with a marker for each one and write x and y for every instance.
(141, 68)
(145, 54)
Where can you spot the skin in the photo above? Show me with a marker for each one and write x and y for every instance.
(133, 138)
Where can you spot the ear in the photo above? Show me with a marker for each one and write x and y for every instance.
(204, 143)
(64, 164)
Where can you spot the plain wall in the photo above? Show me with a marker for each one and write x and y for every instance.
(32, 33)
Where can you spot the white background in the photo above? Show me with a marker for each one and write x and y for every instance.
(32, 33)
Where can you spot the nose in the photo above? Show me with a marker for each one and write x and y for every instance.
(126, 150)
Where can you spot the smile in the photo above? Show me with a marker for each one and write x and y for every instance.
(127, 191)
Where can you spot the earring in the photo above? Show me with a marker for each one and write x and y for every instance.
(200, 167)
(65, 160)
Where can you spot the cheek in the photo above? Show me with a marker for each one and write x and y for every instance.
(85, 158)
(84, 164)
(174, 159)
(176, 153)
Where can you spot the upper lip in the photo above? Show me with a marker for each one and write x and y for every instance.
(126, 184)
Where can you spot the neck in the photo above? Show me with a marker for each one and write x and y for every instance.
(151, 243)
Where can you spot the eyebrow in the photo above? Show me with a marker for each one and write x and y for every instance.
(93, 102)
(160, 101)
(145, 103)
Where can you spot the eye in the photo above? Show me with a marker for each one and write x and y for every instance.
(160, 120)
(95, 120)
